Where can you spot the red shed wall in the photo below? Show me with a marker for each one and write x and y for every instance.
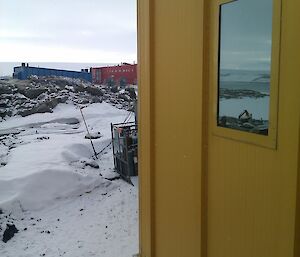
(127, 71)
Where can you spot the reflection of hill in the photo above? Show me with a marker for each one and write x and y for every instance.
(244, 76)
(240, 93)
(262, 78)
(224, 74)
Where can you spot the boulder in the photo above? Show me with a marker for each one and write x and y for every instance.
(33, 93)
(94, 91)
(9, 232)
(62, 99)
(124, 97)
(95, 99)
(114, 89)
(79, 88)
(41, 108)
(5, 89)
(52, 103)
(5, 112)
(4, 103)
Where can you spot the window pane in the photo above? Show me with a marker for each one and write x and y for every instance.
(244, 65)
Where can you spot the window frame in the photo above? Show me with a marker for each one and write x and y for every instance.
(270, 140)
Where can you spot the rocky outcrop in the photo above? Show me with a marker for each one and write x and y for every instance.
(40, 95)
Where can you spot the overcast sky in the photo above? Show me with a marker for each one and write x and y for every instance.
(102, 31)
(246, 34)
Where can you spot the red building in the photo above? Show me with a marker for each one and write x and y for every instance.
(123, 74)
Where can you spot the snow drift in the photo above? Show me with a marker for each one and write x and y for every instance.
(42, 189)
(50, 159)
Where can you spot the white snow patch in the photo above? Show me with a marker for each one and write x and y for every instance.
(46, 186)
(258, 107)
(41, 189)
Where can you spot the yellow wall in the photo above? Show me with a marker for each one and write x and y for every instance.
(177, 153)
(170, 135)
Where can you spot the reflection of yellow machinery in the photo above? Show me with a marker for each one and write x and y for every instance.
(245, 116)
(125, 149)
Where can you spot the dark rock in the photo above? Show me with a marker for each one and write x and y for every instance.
(114, 89)
(124, 97)
(4, 102)
(113, 178)
(79, 88)
(41, 108)
(6, 132)
(94, 91)
(33, 92)
(4, 89)
(96, 99)
(52, 103)
(83, 101)
(62, 99)
(43, 138)
(9, 232)
(7, 96)
(92, 164)
(5, 112)
(1, 212)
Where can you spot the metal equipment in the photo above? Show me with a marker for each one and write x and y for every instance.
(125, 149)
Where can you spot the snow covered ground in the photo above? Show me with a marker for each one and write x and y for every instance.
(62, 201)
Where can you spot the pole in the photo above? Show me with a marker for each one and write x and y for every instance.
(88, 132)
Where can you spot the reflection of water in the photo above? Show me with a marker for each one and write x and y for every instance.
(263, 87)
(259, 107)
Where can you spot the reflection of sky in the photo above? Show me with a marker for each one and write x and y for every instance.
(246, 31)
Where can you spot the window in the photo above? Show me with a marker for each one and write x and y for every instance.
(246, 71)
(244, 65)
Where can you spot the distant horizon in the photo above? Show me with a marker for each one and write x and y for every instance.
(244, 69)
(6, 68)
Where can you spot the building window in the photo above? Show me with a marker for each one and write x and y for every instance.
(244, 72)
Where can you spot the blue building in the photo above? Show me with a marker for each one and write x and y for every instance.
(25, 71)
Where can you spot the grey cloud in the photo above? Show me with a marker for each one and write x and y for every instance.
(89, 24)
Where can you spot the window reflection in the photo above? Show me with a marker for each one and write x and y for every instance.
(244, 65)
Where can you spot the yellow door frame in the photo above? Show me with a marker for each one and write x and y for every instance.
(145, 125)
